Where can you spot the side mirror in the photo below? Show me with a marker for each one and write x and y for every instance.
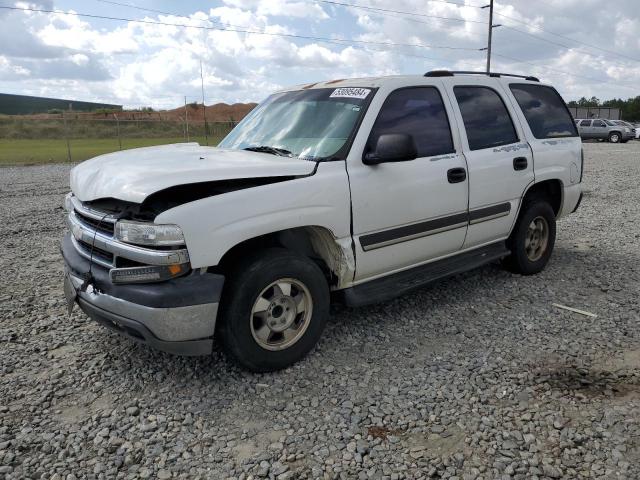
(392, 147)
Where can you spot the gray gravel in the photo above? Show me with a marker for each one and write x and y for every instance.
(478, 377)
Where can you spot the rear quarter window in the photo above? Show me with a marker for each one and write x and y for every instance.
(544, 110)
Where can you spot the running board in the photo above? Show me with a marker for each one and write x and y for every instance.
(397, 284)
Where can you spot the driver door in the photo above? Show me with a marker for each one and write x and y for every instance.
(408, 212)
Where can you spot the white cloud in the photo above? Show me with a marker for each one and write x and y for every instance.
(284, 8)
(66, 55)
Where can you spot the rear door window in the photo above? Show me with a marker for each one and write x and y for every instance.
(585, 123)
(420, 113)
(544, 110)
(486, 118)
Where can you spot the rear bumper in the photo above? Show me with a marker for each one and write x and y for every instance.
(176, 316)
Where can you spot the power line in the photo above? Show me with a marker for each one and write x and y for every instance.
(564, 72)
(143, 8)
(414, 14)
(403, 54)
(338, 41)
(384, 12)
(566, 37)
(567, 47)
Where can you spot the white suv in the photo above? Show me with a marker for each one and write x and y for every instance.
(352, 190)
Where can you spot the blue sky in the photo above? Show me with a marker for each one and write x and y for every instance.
(575, 44)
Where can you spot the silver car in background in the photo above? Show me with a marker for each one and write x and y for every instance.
(603, 129)
(624, 124)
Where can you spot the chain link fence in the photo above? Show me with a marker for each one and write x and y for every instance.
(75, 137)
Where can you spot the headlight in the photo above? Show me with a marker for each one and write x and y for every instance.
(140, 233)
(68, 206)
(627, 130)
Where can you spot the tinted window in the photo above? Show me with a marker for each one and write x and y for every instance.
(585, 123)
(418, 112)
(598, 123)
(611, 124)
(545, 111)
(485, 117)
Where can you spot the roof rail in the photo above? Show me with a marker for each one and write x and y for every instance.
(449, 73)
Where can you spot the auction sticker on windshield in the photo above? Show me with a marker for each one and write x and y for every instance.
(350, 92)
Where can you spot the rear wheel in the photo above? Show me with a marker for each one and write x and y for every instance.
(275, 307)
(533, 238)
(614, 137)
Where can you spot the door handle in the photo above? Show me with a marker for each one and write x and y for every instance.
(456, 175)
(520, 163)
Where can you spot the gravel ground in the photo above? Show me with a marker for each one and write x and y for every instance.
(478, 377)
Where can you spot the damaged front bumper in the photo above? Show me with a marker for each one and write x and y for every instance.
(176, 316)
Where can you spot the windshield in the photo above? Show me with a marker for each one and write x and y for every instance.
(311, 124)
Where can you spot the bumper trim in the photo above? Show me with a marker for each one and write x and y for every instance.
(166, 323)
(141, 334)
(189, 290)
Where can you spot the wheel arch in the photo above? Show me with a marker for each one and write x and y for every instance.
(550, 189)
(611, 132)
(334, 256)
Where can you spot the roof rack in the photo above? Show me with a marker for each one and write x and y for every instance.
(449, 73)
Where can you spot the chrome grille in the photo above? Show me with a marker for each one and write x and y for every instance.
(101, 225)
(96, 253)
(92, 229)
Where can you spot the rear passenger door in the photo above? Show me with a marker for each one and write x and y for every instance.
(557, 147)
(500, 163)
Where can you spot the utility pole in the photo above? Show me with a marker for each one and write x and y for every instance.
(490, 36)
(204, 108)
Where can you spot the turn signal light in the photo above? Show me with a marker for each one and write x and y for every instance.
(147, 274)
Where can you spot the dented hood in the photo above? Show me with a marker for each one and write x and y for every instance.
(133, 175)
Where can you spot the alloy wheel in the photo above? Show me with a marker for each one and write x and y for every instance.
(537, 239)
(281, 314)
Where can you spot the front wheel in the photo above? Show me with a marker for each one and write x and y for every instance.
(532, 240)
(275, 307)
(614, 137)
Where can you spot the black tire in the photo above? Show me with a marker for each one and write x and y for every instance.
(519, 261)
(615, 137)
(242, 289)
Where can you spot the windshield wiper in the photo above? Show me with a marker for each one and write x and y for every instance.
(273, 150)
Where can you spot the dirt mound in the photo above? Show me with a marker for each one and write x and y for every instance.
(220, 112)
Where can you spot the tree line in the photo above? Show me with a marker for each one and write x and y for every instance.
(629, 109)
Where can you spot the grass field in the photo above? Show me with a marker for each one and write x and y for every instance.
(34, 152)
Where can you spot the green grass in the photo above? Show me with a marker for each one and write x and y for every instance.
(37, 152)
